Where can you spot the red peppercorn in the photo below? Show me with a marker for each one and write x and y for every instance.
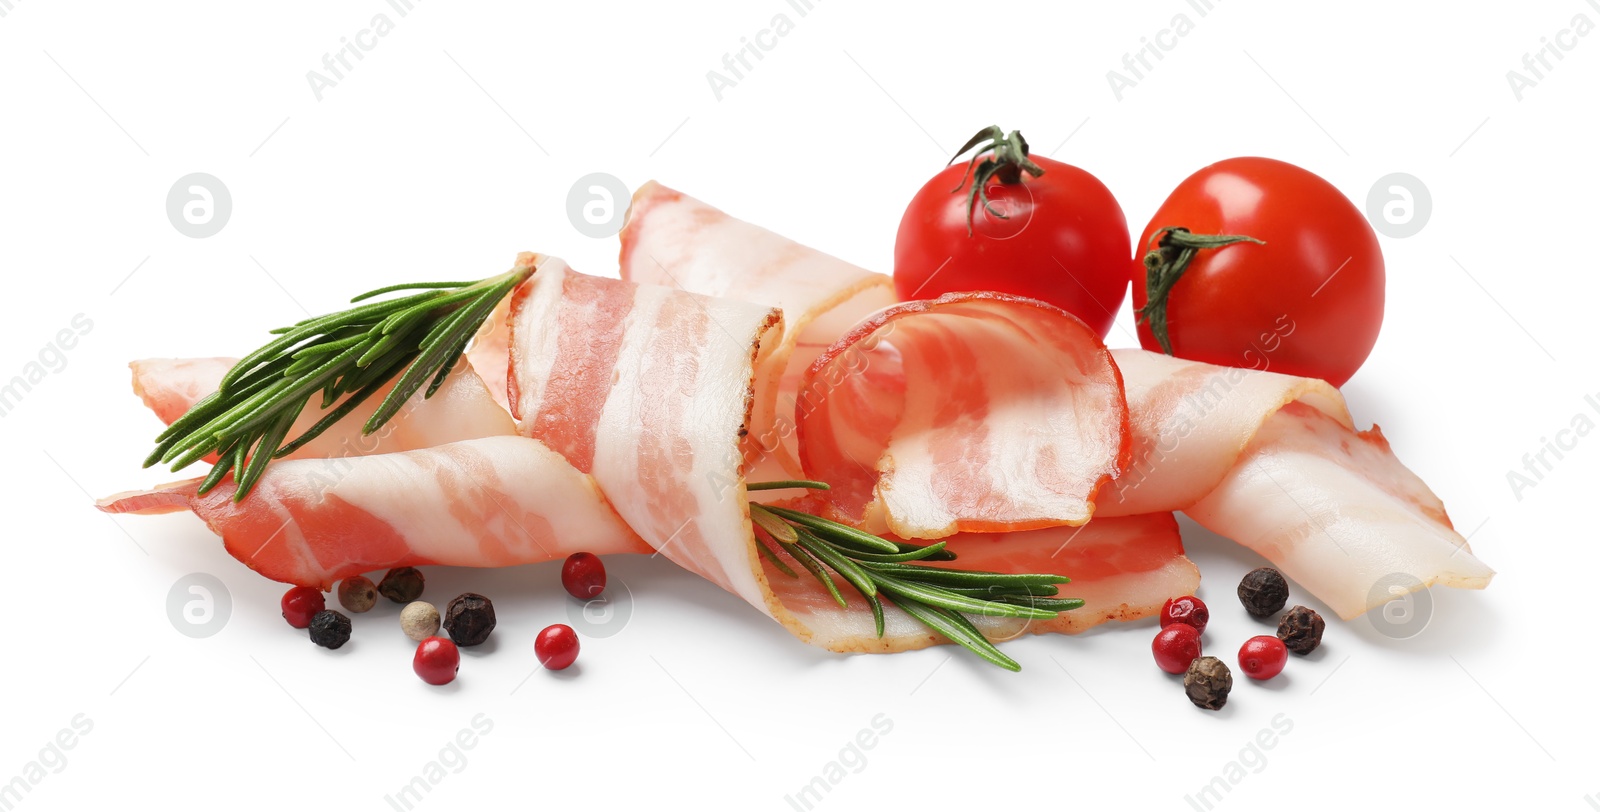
(1176, 646)
(437, 660)
(557, 646)
(1188, 610)
(1263, 657)
(584, 576)
(300, 604)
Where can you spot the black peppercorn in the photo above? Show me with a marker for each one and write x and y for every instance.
(401, 585)
(330, 629)
(469, 619)
(1207, 682)
(1301, 630)
(1263, 592)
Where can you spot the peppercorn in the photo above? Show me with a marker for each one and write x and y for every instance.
(330, 629)
(357, 594)
(1301, 630)
(302, 603)
(419, 620)
(469, 619)
(401, 585)
(1207, 682)
(1263, 592)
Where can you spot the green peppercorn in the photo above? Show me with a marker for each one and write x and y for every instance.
(1207, 682)
(330, 629)
(1301, 630)
(469, 619)
(357, 594)
(1263, 592)
(401, 585)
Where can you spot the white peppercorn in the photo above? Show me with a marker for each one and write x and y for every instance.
(419, 620)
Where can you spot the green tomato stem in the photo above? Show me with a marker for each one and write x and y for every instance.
(1175, 247)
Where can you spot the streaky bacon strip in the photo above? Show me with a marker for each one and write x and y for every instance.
(1123, 568)
(976, 412)
(676, 241)
(656, 410)
(1191, 422)
(462, 409)
(1193, 426)
(673, 385)
(1338, 513)
(1274, 462)
(490, 502)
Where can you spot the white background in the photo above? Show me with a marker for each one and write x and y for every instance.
(452, 146)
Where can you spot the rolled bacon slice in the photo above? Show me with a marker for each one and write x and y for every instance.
(987, 414)
(1338, 513)
(977, 412)
(462, 409)
(675, 241)
(490, 502)
(650, 389)
(1274, 462)
(1201, 436)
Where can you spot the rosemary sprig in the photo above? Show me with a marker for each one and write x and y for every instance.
(938, 597)
(348, 356)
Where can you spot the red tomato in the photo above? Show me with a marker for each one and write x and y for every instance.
(1062, 238)
(1308, 302)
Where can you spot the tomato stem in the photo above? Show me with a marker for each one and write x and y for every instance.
(1008, 159)
(1175, 248)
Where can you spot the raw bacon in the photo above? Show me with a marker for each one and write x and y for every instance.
(635, 396)
(1274, 463)
(462, 409)
(1337, 512)
(644, 407)
(650, 390)
(1201, 435)
(490, 502)
(675, 241)
(975, 412)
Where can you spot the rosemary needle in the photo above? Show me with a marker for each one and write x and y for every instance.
(349, 356)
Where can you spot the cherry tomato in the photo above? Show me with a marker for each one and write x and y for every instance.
(557, 646)
(437, 660)
(300, 604)
(1187, 610)
(1058, 236)
(1307, 302)
(584, 576)
(1263, 657)
(1176, 646)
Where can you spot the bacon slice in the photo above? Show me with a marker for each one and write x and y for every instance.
(462, 409)
(1191, 422)
(490, 502)
(1337, 512)
(649, 389)
(673, 240)
(1274, 462)
(976, 412)
(1123, 568)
